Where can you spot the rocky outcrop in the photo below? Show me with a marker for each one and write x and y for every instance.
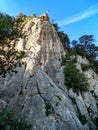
(35, 89)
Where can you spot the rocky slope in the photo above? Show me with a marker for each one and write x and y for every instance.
(35, 89)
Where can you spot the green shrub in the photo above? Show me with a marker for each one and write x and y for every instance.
(73, 100)
(74, 60)
(7, 122)
(95, 64)
(65, 59)
(80, 50)
(7, 62)
(49, 108)
(83, 119)
(20, 54)
(74, 78)
(91, 65)
(85, 67)
(68, 59)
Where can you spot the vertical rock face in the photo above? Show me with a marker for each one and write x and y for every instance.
(44, 44)
(35, 88)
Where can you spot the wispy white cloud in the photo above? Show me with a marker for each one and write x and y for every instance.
(80, 16)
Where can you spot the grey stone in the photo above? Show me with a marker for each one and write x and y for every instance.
(3, 105)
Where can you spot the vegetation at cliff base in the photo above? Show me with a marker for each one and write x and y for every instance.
(7, 122)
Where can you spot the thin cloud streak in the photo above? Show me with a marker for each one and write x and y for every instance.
(78, 17)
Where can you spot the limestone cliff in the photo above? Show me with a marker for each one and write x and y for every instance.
(34, 87)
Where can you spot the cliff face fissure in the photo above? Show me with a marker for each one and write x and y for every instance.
(35, 89)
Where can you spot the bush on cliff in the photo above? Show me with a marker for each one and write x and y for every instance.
(74, 78)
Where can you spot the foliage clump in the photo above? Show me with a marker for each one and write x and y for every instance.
(49, 108)
(7, 59)
(85, 47)
(74, 78)
(73, 100)
(69, 58)
(83, 119)
(19, 54)
(11, 28)
(95, 66)
(7, 122)
(85, 67)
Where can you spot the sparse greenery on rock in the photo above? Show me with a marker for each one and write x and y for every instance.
(74, 78)
(83, 119)
(85, 67)
(7, 122)
(11, 29)
(49, 108)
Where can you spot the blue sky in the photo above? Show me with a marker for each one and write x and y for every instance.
(75, 17)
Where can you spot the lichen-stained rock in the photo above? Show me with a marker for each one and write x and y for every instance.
(34, 86)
